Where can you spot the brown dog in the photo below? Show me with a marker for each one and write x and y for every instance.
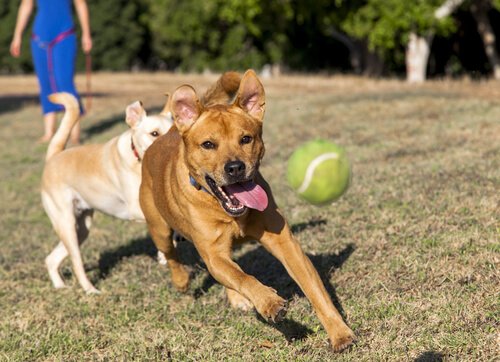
(202, 179)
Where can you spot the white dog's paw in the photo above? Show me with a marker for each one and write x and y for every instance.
(93, 291)
(60, 285)
(162, 260)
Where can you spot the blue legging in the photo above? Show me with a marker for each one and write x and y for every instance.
(55, 67)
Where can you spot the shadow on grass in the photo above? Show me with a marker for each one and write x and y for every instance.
(268, 270)
(108, 123)
(257, 262)
(13, 102)
(109, 259)
(290, 329)
(102, 126)
(430, 356)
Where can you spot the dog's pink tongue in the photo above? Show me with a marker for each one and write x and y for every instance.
(249, 194)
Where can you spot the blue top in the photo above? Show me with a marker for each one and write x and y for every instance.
(52, 18)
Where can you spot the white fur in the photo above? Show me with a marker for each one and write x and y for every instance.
(104, 177)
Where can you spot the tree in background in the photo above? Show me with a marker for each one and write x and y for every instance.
(399, 31)
(480, 10)
(370, 37)
(118, 35)
(220, 34)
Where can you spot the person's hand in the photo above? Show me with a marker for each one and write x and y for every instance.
(86, 43)
(15, 47)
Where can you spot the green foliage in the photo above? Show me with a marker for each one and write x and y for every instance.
(386, 24)
(194, 35)
(117, 35)
(8, 16)
(236, 34)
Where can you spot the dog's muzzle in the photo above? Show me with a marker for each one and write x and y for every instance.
(235, 198)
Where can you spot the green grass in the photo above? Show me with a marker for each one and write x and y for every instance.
(410, 253)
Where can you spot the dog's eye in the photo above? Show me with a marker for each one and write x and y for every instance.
(154, 134)
(208, 145)
(245, 140)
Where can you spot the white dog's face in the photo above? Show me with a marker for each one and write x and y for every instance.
(146, 129)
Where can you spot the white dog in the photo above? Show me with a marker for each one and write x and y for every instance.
(104, 177)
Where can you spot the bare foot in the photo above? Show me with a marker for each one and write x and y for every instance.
(45, 139)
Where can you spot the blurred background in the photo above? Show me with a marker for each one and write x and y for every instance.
(415, 40)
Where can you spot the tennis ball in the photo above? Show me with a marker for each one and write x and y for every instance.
(319, 171)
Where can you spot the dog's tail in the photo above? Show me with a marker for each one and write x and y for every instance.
(71, 116)
(223, 91)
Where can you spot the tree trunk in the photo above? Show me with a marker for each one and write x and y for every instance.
(447, 8)
(418, 48)
(363, 60)
(479, 10)
(417, 56)
(354, 50)
(373, 63)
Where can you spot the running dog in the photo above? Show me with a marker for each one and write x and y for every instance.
(104, 177)
(202, 179)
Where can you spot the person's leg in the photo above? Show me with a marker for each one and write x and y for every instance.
(49, 123)
(43, 73)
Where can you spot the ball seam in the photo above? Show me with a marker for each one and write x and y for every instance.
(312, 167)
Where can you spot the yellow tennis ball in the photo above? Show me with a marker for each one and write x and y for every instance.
(319, 171)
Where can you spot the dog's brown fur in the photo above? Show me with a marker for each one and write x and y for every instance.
(171, 202)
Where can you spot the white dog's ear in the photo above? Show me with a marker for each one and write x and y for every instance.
(134, 114)
(167, 108)
(251, 96)
(185, 107)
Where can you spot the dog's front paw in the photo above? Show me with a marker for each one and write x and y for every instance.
(274, 307)
(342, 339)
(92, 291)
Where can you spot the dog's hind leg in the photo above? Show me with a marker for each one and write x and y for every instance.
(70, 228)
(53, 261)
(237, 301)
(59, 253)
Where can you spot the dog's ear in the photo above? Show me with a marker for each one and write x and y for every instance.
(186, 107)
(167, 109)
(251, 96)
(134, 113)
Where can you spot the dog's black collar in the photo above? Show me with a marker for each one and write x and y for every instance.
(134, 149)
(196, 185)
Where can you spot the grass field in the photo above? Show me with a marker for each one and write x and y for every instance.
(410, 254)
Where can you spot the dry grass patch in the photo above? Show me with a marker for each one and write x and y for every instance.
(410, 254)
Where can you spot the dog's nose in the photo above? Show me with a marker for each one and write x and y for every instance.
(235, 169)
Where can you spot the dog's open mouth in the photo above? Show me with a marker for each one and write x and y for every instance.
(237, 197)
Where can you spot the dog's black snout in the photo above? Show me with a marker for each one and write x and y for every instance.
(235, 169)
